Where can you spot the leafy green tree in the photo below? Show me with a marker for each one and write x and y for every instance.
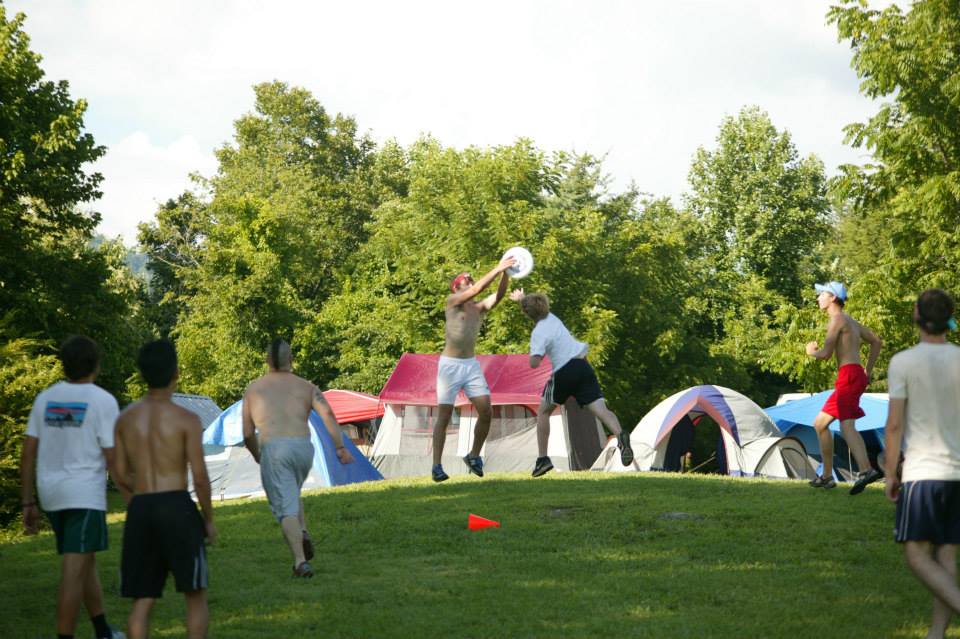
(765, 220)
(613, 265)
(902, 210)
(288, 206)
(55, 278)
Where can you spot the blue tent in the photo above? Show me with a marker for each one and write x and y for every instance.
(239, 474)
(795, 418)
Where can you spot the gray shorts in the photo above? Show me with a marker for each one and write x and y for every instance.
(285, 463)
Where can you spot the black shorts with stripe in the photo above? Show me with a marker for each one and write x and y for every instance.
(928, 510)
(164, 533)
(576, 378)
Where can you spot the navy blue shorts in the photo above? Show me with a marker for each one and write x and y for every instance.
(928, 510)
(576, 378)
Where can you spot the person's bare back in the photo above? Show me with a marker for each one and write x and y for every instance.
(279, 405)
(157, 439)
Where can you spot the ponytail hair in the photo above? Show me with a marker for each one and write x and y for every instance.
(279, 353)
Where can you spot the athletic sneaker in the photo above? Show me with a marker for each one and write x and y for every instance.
(303, 570)
(475, 464)
(542, 467)
(438, 474)
(116, 634)
(307, 546)
(823, 482)
(626, 453)
(865, 478)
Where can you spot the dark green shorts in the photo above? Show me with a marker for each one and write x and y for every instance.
(79, 530)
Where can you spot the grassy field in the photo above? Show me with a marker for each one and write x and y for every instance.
(578, 555)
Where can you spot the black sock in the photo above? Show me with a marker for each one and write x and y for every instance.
(100, 626)
(64, 636)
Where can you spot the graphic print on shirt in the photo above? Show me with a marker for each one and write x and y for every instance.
(65, 414)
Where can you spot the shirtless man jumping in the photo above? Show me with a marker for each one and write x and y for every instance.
(276, 407)
(155, 440)
(458, 367)
(844, 336)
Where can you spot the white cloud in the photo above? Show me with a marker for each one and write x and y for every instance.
(644, 82)
(139, 175)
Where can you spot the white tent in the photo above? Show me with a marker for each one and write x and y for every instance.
(404, 442)
(752, 444)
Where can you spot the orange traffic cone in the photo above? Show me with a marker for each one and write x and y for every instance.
(479, 523)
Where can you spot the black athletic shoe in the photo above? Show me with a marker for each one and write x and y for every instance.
(303, 571)
(865, 478)
(438, 474)
(626, 453)
(475, 464)
(823, 482)
(542, 467)
(307, 546)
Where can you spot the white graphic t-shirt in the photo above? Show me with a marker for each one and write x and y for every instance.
(72, 422)
(550, 337)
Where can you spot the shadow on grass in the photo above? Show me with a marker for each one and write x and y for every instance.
(578, 555)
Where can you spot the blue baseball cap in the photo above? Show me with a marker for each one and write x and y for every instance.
(836, 288)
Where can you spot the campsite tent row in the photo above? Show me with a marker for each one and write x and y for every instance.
(234, 473)
(752, 441)
(752, 445)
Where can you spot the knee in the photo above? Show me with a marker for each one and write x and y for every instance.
(484, 414)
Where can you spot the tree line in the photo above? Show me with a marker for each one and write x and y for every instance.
(311, 231)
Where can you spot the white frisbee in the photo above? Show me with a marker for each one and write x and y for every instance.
(523, 265)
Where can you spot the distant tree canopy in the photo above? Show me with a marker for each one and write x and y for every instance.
(54, 281)
(310, 231)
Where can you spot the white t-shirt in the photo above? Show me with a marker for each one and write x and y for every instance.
(72, 422)
(928, 377)
(550, 337)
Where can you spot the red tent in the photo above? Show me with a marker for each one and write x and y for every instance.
(511, 381)
(351, 406)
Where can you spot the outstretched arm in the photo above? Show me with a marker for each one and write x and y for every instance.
(117, 464)
(333, 427)
(892, 440)
(875, 345)
(492, 300)
(201, 480)
(830, 343)
(250, 431)
(464, 296)
(28, 473)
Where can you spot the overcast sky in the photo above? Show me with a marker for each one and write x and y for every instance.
(642, 82)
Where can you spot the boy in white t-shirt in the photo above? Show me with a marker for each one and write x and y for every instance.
(924, 385)
(68, 449)
(572, 376)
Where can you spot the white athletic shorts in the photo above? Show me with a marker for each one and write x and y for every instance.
(454, 373)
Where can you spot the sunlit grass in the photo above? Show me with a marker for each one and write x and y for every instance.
(578, 555)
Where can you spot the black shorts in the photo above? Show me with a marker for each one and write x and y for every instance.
(576, 378)
(164, 533)
(928, 510)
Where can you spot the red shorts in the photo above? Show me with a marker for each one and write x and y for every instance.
(844, 402)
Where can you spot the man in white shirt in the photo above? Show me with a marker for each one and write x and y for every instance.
(572, 376)
(68, 449)
(924, 385)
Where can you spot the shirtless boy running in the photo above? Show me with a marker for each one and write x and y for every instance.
(155, 440)
(458, 367)
(276, 407)
(844, 336)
